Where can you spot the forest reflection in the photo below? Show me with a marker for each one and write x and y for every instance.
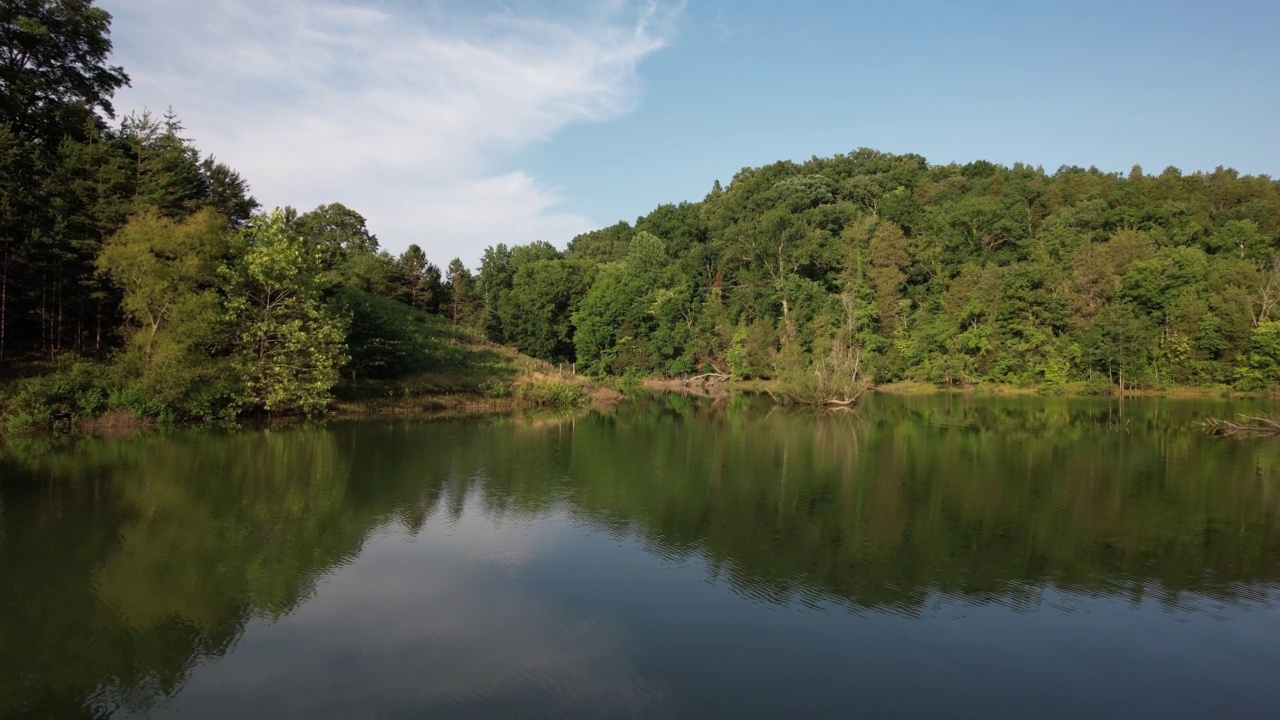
(128, 562)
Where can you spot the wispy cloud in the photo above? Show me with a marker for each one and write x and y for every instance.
(410, 116)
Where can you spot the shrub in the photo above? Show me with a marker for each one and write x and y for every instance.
(212, 402)
(495, 389)
(1260, 368)
(75, 391)
(551, 393)
(132, 399)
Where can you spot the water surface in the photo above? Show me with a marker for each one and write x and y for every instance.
(943, 556)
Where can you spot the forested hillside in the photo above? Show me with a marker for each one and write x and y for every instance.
(138, 273)
(948, 274)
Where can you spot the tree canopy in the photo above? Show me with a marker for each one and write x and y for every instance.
(123, 243)
(936, 273)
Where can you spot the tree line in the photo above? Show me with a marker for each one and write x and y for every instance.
(136, 271)
(947, 274)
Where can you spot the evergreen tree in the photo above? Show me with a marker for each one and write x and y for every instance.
(464, 302)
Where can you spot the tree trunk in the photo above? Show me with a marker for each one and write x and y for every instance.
(4, 303)
(44, 314)
(57, 343)
(46, 326)
(155, 326)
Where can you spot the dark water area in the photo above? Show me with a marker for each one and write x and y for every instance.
(935, 556)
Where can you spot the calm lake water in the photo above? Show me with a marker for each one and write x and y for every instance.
(939, 556)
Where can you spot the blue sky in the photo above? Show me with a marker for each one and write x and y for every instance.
(457, 125)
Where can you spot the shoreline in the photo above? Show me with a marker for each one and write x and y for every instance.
(909, 388)
(588, 394)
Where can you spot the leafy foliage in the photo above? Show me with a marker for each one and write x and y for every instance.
(166, 271)
(944, 274)
(288, 348)
(122, 244)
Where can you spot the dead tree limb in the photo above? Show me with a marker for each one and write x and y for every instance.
(1247, 425)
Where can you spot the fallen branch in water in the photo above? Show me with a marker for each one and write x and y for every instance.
(698, 386)
(1247, 425)
(844, 402)
(708, 378)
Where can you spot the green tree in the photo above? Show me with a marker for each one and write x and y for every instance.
(464, 302)
(888, 257)
(53, 67)
(166, 166)
(536, 313)
(498, 268)
(1120, 343)
(228, 192)
(166, 272)
(338, 232)
(616, 319)
(377, 273)
(1260, 366)
(423, 288)
(602, 246)
(289, 347)
(54, 83)
(494, 281)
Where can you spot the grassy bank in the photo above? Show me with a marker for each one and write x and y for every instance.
(457, 371)
(525, 391)
(467, 375)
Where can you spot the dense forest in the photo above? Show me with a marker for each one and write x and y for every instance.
(947, 274)
(138, 272)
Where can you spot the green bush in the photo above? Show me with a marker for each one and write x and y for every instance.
(74, 391)
(495, 389)
(211, 402)
(551, 394)
(631, 382)
(132, 399)
(91, 401)
(1260, 366)
(1095, 385)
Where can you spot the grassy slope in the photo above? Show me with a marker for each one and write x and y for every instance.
(463, 371)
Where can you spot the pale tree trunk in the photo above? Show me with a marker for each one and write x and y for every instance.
(1267, 294)
(4, 303)
(155, 326)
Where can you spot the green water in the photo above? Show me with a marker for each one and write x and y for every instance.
(940, 556)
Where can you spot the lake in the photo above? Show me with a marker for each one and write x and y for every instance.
(671, 557)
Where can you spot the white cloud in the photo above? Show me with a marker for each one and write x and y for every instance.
(409, 116)
(424, 628)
